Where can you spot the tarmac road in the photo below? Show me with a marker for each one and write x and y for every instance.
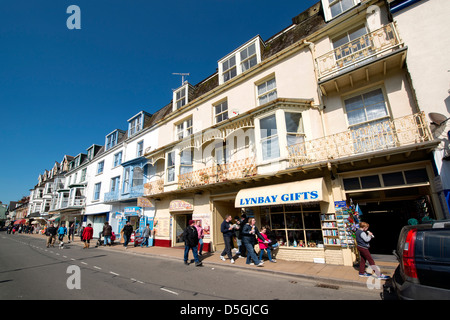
(30, 271)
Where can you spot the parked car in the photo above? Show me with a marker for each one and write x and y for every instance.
(423, 252)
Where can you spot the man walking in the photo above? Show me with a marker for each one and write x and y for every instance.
(228, 233)
(107, 233)
(62, 231)
(190, 236)
(51, 235)
(146, 235)
(127, 231)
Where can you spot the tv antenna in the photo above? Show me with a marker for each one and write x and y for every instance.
(182, 76)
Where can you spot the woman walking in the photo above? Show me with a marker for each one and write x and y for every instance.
(88, 232)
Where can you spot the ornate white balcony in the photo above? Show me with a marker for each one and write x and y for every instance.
(383, 135)
(365, 48)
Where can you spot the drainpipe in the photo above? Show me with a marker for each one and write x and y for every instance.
(321, 106)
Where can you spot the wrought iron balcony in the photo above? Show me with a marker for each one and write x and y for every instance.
(218, 173)
(382, 135)
(364, 48)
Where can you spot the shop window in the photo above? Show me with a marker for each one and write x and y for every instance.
(294, 225)
(416, 176)
(352, 184)
(370, 182)
(393, 179)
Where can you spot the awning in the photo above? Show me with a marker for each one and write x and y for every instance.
(312, 190)
(55, 217)
(20, 221)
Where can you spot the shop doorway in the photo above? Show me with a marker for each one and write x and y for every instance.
(387, 218)
(181, 222)
(221, 209)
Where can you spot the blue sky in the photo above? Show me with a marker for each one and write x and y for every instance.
(63, 90)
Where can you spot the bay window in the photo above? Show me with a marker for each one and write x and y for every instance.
(269, 137)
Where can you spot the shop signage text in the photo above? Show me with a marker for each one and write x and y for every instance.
(181, 205)
(287, 197)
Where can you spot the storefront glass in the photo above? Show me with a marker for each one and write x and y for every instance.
(296, 225)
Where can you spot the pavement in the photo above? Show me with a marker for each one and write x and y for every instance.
(324, 274)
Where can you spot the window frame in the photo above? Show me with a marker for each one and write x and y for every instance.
(239, 64)
(100, 166)
(117, 159)
(222, 111)
(184, 128)
(266, 92)
(140, 148)
(171, 167)
(268, 137)
(304, 209)
(97, 192)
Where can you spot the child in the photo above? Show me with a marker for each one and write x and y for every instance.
(363, 236)
(264, 245)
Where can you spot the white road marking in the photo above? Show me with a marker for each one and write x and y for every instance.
(116, 274)
(172, 292)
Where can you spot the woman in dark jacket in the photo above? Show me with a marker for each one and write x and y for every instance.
(190, 236)
(249, 232)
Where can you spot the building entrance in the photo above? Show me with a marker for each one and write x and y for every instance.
(387, 218)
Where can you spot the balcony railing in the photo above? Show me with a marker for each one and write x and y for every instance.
(154, 187)
(78, 201)
(111, 196)
(366, 47)
(382, 135)
(218, 173)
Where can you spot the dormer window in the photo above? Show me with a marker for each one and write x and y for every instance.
(333, 8)
(181, 96)
(240, 60)
(135, 125)
(113, 138)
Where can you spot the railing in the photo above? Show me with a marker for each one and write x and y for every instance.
(154, 187)
(382, 135)
(365, 47)
(77, 201)
(218, 173)
(111, 196)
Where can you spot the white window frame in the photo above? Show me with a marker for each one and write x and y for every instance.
(184, 128)
(171, 167)
(240, 61)
(263, 90)
(223, 114)
(135, 125)
(327, 4)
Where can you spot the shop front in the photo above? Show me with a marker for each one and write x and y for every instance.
(300, 214)
(390, 198)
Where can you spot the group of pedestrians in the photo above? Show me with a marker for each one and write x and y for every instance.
(243, 230)
(247, 235)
